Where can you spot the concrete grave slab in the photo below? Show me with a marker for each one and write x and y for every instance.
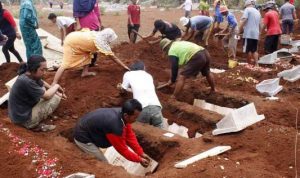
(209, 153)
(290, 75)
(80, 175)
(238, 120)
(133, 168)
(270, 87)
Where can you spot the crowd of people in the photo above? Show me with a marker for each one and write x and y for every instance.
(32, 99)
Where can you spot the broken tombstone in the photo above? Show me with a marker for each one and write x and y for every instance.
(238, 120)
(290, 75)
(133, 168)
(269, 87)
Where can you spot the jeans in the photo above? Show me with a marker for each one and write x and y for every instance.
(152, 115)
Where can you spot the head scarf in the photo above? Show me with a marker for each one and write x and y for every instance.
(103, 40)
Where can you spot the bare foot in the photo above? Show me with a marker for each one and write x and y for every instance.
(88, 74)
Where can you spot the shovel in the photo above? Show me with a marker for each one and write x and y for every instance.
(134, 31)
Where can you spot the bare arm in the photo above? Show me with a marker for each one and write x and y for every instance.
(78, 27)
(191, 35)
(243, 22)
(295, 15)
(50, 92)
(118, 61)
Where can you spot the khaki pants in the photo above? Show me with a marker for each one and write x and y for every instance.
(41, 111)
(91, 149)
(230, 44)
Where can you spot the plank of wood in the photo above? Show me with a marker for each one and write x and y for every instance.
(209, 153)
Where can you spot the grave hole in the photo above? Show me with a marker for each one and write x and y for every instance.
(156, 149)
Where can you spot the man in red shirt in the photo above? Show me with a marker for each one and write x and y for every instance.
(107, 127)
(134, 13)
(271, 22)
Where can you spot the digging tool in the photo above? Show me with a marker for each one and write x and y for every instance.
(48, 47)
(134, 31)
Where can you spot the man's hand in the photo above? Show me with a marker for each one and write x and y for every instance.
(144, 162)
(145, 156)
(18, 36)
(119, 86)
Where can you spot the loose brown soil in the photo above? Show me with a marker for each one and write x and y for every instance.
(266, 149)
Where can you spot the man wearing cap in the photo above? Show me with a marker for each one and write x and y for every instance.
(167, 30)
(107, 127)
(271, 22)
(140, 83)
(230, 39)
(288, 15)
(250, 24)
(191, 57)
(201, 24)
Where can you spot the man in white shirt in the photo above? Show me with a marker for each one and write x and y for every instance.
(66, 25)
(188, 5)
(140, 83)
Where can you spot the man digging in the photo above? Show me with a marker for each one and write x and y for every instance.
(140, 83)
(192, 57)
(107, 127)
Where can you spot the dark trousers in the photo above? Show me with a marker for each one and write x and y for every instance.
(95, 56)
(135, 27)
(271, 43)
(9, 46)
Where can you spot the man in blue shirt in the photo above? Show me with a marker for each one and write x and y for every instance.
(230, 39)
(200, 24)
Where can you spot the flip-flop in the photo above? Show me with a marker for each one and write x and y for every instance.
(46, 128)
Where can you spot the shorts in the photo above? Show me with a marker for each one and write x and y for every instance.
(187, 14)
(200, 62)
(287, 26)
(271, 43)
(135, 27)
(250, 45)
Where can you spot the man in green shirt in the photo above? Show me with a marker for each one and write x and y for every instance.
(191, 57)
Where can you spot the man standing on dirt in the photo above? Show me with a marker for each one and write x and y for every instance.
(192, 57)
(271, 22)
(200, 24)
(288, 15)
(140, 83)
(230, 39)
(250, 25)
(107, 127)
(134, 13)
(66, 25)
